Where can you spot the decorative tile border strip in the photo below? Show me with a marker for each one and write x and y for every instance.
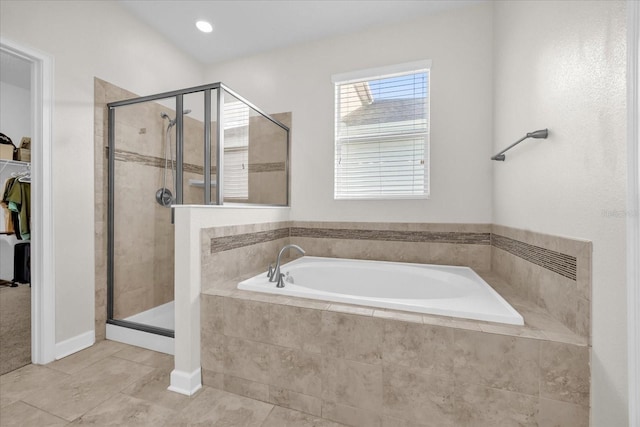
(267, 167)
(226, 243)
(158, 162)
(456, 237)
(560, 263)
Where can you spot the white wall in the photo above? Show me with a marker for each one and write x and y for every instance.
(561, 65)
(87, 39)
(15, 112)
(298, 79)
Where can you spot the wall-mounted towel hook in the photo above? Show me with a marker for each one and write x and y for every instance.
(542, 133)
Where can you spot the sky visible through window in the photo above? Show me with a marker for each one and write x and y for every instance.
(408, 86)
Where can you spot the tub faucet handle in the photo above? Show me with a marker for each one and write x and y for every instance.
(270, 272)
(280, 281)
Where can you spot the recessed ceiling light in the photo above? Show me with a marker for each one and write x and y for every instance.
(204, 26)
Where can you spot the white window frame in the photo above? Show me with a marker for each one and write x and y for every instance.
(372, 74)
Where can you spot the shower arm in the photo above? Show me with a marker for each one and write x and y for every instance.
(542, 133)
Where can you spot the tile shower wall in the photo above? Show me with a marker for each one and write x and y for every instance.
(143, 231)
(554, 272)
(267, 160)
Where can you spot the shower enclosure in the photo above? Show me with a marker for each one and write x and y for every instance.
(204, 145)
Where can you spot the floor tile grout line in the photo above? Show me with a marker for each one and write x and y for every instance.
(40, 409)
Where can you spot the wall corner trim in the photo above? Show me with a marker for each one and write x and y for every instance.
(186, 383)
(75, 344)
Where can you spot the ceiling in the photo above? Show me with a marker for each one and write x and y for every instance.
(247, 27)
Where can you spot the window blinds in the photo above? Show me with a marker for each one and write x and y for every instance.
(236, 150)
(382, 136)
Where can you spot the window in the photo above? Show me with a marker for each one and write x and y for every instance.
(382, 133)
(236, 150)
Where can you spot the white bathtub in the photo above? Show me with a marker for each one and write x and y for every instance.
(421, 288)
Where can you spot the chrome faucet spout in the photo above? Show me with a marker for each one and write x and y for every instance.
(276, 272)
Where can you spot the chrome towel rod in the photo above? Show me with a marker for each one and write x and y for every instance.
(542, 133)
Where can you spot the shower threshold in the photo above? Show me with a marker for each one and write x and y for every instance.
(160, 317)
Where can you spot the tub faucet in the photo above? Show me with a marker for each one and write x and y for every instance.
(275, 273)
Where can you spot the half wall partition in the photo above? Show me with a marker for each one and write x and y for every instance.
(201, 145)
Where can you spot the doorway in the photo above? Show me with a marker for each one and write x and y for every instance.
(41, 272)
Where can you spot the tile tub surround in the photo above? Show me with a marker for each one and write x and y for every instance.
(230, 251)
(553, 272)
(450, 244)
(365, 367)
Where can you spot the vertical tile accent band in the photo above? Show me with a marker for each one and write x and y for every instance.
(563, 264)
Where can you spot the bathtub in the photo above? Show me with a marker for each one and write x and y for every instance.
(421, 288)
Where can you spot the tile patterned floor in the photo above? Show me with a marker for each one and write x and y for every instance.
(113, 384)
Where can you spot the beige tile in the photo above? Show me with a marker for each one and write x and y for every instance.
(352, 337)
(212, 350)
(153, 388)
(398, 315)
(296, 370)
(295, 327)
(247, 388)
(212, 313)
(19, 414)
(146, 357)
(123, 410)
(553, 413)
(213, 379)
(351, 309)
(298, 401)
(395, 422)
(512, 330)
(565, 372)
(499, 361)
(410, 394)
(246, 359)
(349, 415)
(352, 383)
(427, 347)
(26, 381)
(82, 359)
(246, 319)
(87, 388)
(218, 408)
(281, 417)
(479, 406)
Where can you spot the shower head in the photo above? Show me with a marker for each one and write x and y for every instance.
(173, 121)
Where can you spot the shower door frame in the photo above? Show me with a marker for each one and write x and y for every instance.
(178, 95)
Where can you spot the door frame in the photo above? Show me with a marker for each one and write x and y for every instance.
(43, 326)
(633, 210)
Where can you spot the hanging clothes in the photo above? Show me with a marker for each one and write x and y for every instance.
(9, 223)
(17, 197)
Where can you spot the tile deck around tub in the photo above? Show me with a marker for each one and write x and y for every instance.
(538, 324)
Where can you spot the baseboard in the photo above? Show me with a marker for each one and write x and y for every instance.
(186, 383)
(142, 339)
(75, 344)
